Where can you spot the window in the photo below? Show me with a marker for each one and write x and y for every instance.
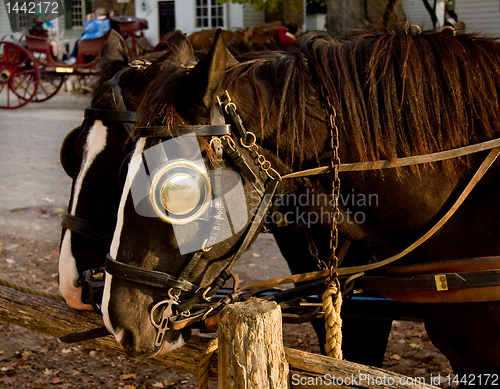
(209, 14)
(23, 21)
(78, 13)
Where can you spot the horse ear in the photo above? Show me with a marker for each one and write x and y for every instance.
(200, 88)
(182, 47)
(115, 48)
(230, 60)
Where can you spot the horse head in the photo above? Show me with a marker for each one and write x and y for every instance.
(184, 208)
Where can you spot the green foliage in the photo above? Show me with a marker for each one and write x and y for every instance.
(271, 5)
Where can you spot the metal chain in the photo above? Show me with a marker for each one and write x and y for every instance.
(335, 168)
(313, 250)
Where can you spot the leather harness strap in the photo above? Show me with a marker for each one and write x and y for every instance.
(401, 162)
(423, 282)
(152, 278)
(109, 115)
(86, 228)
(492, 156)
(199, 130)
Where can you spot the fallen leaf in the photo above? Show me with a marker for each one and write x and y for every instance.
(55, 381)
(48, 371)
(128, 376)
(413, 345)
(66, 350)
(129, 387)
(10, 261)
(52, 255)
(395, 357)
(256, 255)
(61, 212)
(8, 381)
(158, 385)
(26, 354)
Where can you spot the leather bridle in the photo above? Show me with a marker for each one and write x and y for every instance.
(223, 144)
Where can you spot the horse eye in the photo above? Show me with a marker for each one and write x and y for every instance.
(180, 193)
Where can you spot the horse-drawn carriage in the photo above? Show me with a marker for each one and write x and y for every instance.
(30, 73)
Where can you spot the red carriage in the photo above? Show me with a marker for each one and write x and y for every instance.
(30, 73)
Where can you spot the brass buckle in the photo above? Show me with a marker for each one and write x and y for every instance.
(139, 64)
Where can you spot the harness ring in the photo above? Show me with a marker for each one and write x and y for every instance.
(252, 143)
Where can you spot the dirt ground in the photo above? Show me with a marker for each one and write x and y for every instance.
(33, 360)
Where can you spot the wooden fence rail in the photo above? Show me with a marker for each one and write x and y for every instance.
(306, 370)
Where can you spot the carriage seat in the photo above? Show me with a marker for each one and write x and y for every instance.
(38, 44)
(89, 50)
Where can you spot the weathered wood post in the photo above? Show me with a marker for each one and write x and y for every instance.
(251, 352)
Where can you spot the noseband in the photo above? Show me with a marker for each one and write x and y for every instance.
(222, 143)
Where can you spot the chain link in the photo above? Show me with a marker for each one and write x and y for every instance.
(335, 168)
(313, 250)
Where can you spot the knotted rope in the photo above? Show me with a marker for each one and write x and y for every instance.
(19, 288)
(332, 302)
(204, 365)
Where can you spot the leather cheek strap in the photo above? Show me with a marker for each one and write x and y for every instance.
(152, 278)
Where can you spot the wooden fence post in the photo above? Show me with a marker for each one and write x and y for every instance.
(251, 352)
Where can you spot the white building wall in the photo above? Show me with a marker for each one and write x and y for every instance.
(185, 16)
(252, 17)
(4, 22)
(234, 17)
(316, 22)
(151, 15)
(479, 16)
(417, 14)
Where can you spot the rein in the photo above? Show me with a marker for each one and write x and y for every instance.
(401, 162)
(489, 160)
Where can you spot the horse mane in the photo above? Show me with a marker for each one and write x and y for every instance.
(400, 94)
(395, 93)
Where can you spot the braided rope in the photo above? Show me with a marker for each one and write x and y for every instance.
(332, 301)
(11, 285)
(203, 367)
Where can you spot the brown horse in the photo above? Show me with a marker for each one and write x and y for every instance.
(203, 39)
(389, 95)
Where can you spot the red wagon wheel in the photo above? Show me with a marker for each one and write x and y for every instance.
(19, 76)
(50, 83)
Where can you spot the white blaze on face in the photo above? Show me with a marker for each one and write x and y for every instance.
(134, 166)
(68, 273)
